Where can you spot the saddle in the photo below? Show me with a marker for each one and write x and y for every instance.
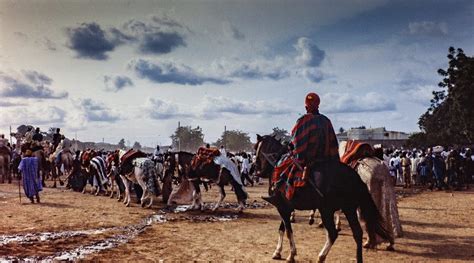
(204, 156)
(356, 151)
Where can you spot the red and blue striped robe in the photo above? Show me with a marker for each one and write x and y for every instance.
(314, 140)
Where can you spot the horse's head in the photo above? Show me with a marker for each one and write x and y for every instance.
(268, 153)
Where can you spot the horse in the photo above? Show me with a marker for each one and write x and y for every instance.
(344, 190)
(212, 172)
(143, 171)
(64, 160)
(112, 167)
(93, 167)
(5, 164)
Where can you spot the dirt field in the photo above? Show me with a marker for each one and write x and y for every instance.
(438, 226)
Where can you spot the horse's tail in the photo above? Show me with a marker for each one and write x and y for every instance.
(373, 220)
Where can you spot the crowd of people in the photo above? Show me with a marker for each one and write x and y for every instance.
(435, 168)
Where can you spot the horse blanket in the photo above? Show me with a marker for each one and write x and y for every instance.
(149, 174)
(99, 165)
(204, 156)
(375, 174)
(314, 141)
(31, 181)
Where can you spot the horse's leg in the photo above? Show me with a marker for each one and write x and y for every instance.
(293, 217)
(146, 192)
(331, 233)
(112, 183)
(196, 195)
(338, 220)
(221, 197)
(281, 232)
(311, 217)
(285, 214)
(357, 233)
(126, 197)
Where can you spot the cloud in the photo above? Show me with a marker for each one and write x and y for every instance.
(89, 40)
(165, 20)
(258, 69)
(347, 103)
(10, 104)
(48, 44)
(117, 83)
(313, 75)
(160, 110)
(156, 37)
(232, 32)
(34, 85)
(36, 116)
(309, 54)
(97, 112)
(21, 36)
(212, 107)
(170, 72)
(428, 28)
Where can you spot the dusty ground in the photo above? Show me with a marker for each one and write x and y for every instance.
(438, 226)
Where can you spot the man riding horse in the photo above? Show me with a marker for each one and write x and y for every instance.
(314, 145)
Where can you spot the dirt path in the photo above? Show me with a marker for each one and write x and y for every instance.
(438, 226)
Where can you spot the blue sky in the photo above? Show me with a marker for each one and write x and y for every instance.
(133, 69)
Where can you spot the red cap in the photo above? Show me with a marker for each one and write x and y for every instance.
(312, 102)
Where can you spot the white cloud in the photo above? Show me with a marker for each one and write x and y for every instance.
(344, 103)
(428, 28)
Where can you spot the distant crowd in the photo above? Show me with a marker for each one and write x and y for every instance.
(435, 168)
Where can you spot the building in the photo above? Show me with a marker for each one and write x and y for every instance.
(372, 136)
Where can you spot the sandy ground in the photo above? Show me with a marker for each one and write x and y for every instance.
(438, 226)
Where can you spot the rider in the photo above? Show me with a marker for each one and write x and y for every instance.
(313, 145)
(157, 155)
(56, 139)
(37, 139)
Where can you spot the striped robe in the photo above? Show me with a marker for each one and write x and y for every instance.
(314, 140)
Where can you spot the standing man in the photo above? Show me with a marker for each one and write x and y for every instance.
(406, 170)
(223, 151)
(30, 173)
(245, 169)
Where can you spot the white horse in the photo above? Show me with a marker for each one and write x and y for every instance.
(144, 173)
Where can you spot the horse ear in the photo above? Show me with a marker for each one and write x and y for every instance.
(259, 138)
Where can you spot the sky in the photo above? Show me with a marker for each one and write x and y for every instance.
(106, 70)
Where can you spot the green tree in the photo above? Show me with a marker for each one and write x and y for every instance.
(235, 141)
(281, 134)
(186, 138)
(449, 118)
(341, 130)
(121, 144)
(137, 146)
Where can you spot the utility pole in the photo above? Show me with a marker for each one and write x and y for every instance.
(179, 137)
(225, 135)
(11, 142)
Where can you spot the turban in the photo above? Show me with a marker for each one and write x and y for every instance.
(312, 102)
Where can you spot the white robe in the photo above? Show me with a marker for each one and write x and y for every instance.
(229, 165)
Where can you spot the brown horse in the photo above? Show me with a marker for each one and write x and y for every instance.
(344, 190)
(212, 172)
(5, 165)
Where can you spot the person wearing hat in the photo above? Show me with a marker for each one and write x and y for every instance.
(30, 175)
(314, 144)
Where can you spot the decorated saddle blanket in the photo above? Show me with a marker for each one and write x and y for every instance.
(204, 156)
(150, 175)
(356, 151)
(287, 176)
(130, 155)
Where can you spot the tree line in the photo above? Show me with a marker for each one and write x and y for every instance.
(449, 120)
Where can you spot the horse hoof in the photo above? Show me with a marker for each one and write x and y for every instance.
(311, 222)
(276, 255)
(142, 204)
(369, 245)
(338, 229)
(321, 259)
(320, 225)
(290, 259)
(390, 248)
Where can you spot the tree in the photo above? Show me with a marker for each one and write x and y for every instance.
(281, 134)
(137, 146)
(448, 120)
(341, 130)
(186, 138)
(121, 144)
(235, 141)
